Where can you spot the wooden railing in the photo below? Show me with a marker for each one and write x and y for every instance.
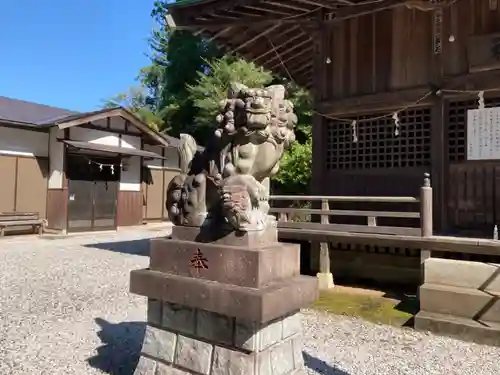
(286, 215)
(294, 223)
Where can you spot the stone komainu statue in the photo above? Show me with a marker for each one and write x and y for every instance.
(229, 180)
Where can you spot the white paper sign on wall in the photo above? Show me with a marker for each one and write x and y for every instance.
(483, 134)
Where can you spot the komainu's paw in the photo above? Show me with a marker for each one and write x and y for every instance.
(262, 193)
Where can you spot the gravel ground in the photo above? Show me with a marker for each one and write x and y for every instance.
(65, 309)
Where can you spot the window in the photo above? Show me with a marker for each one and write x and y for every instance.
(377, 146)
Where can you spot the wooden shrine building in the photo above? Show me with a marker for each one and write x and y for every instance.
(407, 72)
(89, 171)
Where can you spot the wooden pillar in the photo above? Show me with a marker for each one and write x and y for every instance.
(439, 141)
(426, 220)
(318, 181)
(318, 123)
(439, 164)
(325, 277)
(65, 191)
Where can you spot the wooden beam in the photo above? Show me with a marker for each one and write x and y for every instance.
(223, 15)
(288, 5)
(218, 34)
(300, 61)
(246, 12)
(257, 15)
(346, 12)
(348, 2)
(286, 40)
(255, 38)
(92, 126)
(472, 81)
(288, 51)
(434, 243)
(213, 7)
(262, 22)
(321, 3)
(308, 52)
(90, 118)
(354, 11)
(369, 103)
(271, 9)
(297, 76)
(303, 67)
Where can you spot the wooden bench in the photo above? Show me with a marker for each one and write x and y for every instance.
(20, 219)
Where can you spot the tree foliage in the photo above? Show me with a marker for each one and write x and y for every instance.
(182, 56)
(211, 87)
(294, 176)
(136, 101)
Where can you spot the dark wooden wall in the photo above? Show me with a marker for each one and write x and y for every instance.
(154, 190)
(377, 63)
(393, 49)
(155, 181)
(57, 208)
(129, 208)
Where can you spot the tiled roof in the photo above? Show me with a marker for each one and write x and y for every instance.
(30, 113)
(33, 114)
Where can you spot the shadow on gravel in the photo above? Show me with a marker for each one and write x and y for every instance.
(134, 247)
(120, 349)
(320, 366)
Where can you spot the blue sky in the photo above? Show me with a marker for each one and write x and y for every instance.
(71, 54)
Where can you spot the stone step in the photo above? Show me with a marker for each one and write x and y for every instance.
(481, 332)
(460, 302)
(463, 274)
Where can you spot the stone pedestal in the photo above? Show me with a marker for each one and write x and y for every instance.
(221, 303)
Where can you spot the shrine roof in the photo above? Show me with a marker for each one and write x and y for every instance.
(275, 34)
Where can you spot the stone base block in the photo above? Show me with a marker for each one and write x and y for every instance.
(481, 332)
(237, 265)
(454, 301)
(258, 305)
(194, 341)
(325, 281)
(463, 274)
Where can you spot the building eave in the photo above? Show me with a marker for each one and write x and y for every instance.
(278, 35)
(83, 118)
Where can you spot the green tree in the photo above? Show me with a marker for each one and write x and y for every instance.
(212, 86)
(294, 176)
(136, 101)
(182, 56)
